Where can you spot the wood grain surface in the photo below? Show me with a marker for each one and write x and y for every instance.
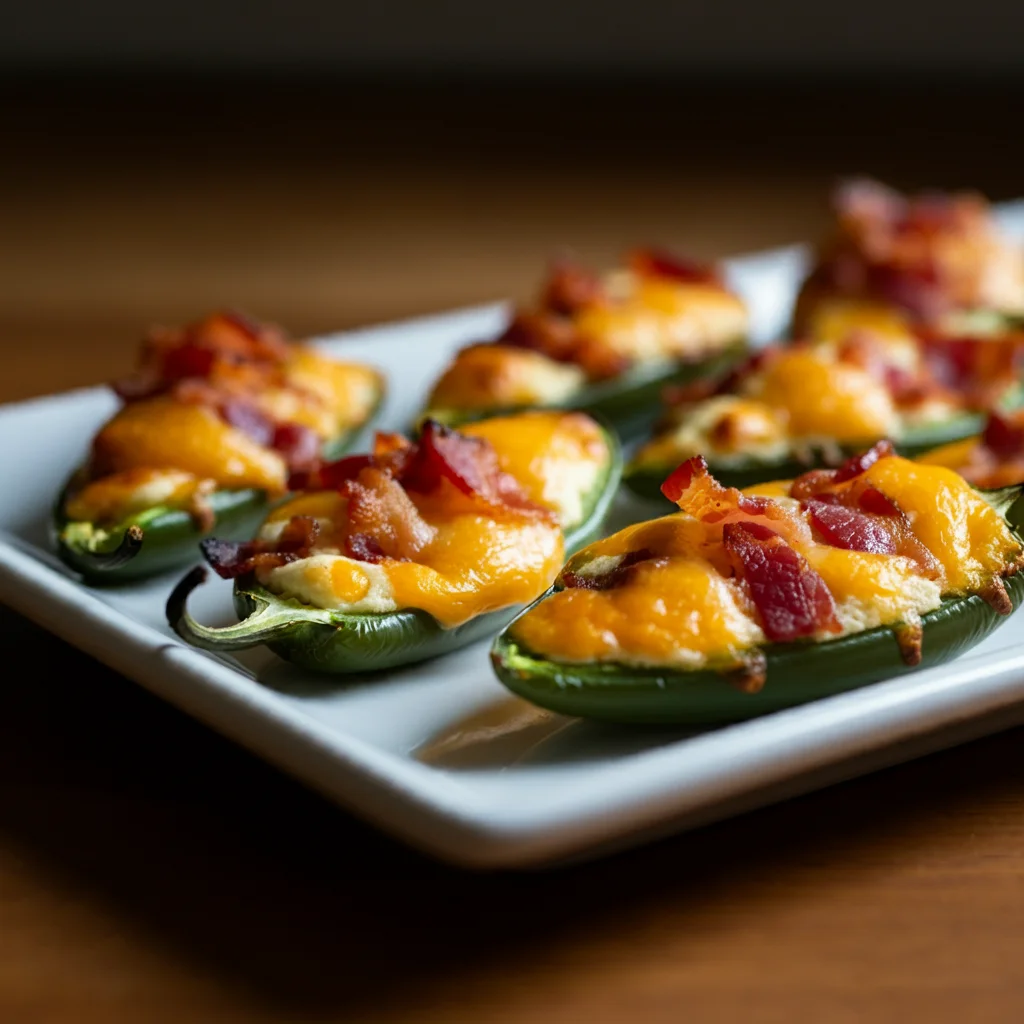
(152, 871)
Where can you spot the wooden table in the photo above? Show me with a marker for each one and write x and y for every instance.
(151, 871)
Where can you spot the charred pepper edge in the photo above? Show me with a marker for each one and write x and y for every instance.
(789, 674)
(328, 640)
(630, 403)
(171, 533)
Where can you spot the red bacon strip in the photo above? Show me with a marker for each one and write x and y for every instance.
(850, 529)
(1004, 437)
(570, 288)
(233, 559)
(692, 487)
(194, 352)
(792, 600)
(655, 262)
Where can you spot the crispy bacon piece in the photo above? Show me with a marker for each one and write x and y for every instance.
(1004, 437)
(655, 262)
(557, 338)
(363, 548)
(383, 521)
(851, 529)
(380, 510)
(858, 464)
(232, 559)
(470, 464)
(199, 350)
(977, 371)
(692, 487)
(913, 252)
(849, 513)
(792, 600)
(570, 288)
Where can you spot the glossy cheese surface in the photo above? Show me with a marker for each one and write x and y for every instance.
(474, 563)
(808, 395)
(557, 457)
(164, 452)
(322, 394)
(664, 320)
(501, 376)
(685, 588)
(644, 320)
(160, 433)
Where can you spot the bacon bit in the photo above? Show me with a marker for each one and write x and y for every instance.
(910, 640)
(380, 508)
(233, 559)
(330, 476)
(616, 577)
(199, 350)
(1004, 437)
(977, 371)
(470, 464)
(654, 262)
(751, 675)
(849, 529)
(859, 464)
(692, 487)
(858, 517)
(872, 500)
(793, 601)
(570, 288)
(246, 417)
(298, 444)
(363, 548)
(557, 338)
(995, 596)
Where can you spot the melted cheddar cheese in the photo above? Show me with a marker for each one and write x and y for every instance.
(654, 320)
(164, 452)
(501, 376)
(474, 563)
(683, 607)
(805, 396)
(646, 322)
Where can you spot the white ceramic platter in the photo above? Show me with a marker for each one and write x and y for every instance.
(439, 754)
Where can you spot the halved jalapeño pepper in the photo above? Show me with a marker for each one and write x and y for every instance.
(815, 404)
(934, 260)
(745, 603)
(416, 549)
(605, 344)
(216, 418)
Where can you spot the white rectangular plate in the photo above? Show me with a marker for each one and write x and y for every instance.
(439, 754)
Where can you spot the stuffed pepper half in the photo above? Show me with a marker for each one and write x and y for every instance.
(215, 419)
(604, 344)
(814, 404)
(892, 261)
(416, 549)
(745, 602)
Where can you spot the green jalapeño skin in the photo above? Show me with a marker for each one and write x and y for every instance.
(332, 641)
(160, 538)
(795, 672)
